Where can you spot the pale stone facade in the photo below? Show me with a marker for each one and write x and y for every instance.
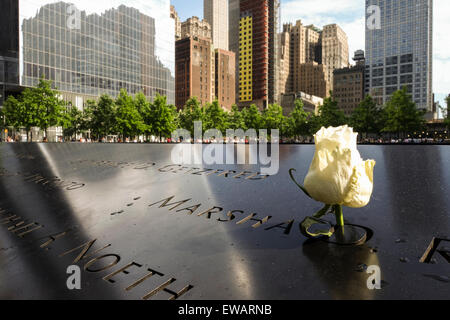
(216, 14)
(194, 27)
(335, 54)
(313, 79)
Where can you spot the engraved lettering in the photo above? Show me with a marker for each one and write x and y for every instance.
(226, 173)
(144, 278)
(433, 248)
(112, 264)
(124, 270)
(211, 211)
(231, 215)
(260, 222)
(85, 248)
(29, 228)
(167, 204)
(53, 238)
(172, 166)
(190, 209)
(287, 229)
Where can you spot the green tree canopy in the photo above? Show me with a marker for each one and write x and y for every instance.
(298, 120)
(402, 115)
(330, 115)
(215, 118)
(128, 120)
(49, 104)
(447, 113)
(102, 116)
(40, 106)
(191, 112)
(272, 117)
(72, 121)
(368, 117)
(252, 117)
(163, 117)
(236, 119)
(143, 106)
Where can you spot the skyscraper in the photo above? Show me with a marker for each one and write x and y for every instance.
(399, 49)
(216, 14)
(258, 52)
(194, 76)
(234, 9)
(349, 84)
(335, 53)
(9, 49)
(87, 49)
(176, 18)
(225, 78)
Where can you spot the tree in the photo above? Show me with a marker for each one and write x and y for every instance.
(273, 118)
(215, 118)
(252, 117)
(298, 120)
(402, 115)
(72, 121)
(102, 116)
(191, 112)
(21, 115)
(163, 117)
(48, 103)
(367, 117)
(314, 124)
(236, 119)
(330, 115)
(447, 118)
(128, 122)
(143, 107)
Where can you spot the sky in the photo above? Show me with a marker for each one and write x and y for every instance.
(349, 14)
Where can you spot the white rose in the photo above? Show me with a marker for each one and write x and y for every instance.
(338, 175)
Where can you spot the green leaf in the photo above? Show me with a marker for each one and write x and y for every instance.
(306, 225)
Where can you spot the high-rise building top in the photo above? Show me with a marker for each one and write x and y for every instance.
(359, 57)
(258, 63)
(216, 14)
(194, 76)
(194, 27)
(176, 18)
(400, 52)
(234, 12)
(225, 78)
(312, 79)
(335, 52)
(300, 45)
(349, 84)
(86, 51)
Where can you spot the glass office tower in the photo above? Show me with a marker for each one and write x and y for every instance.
(88, 48)
(400, 53)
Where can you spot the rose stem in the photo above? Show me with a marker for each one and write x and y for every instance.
(339, 215)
